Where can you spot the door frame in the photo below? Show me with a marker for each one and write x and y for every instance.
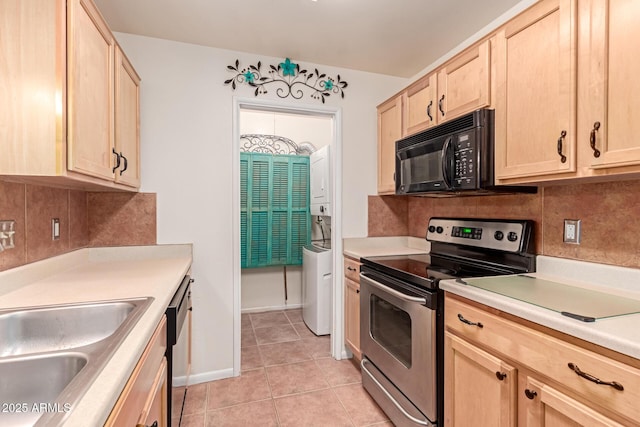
(338, 350)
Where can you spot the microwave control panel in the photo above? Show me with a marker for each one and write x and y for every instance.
(465, 167)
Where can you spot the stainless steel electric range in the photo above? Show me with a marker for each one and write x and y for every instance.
(402, 309)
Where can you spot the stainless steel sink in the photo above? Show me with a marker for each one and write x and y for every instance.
(50, 355)
(32, 381)
(61, 327)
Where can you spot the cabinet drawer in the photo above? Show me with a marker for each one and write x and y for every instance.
(352, 269)
(140, 386)
(550, 357)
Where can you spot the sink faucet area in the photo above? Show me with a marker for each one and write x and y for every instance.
(51, 355)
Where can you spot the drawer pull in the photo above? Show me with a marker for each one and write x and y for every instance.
(468, 322)
(155, 424)
(352, 269)
(501, 375)
(591, 378)
(530, 394)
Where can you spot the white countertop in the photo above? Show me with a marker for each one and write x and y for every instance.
(103, 274)
(619, 333)
(379, 246)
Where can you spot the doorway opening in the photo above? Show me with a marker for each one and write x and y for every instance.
(261, 289)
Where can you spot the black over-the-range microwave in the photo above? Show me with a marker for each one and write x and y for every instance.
(455, 157)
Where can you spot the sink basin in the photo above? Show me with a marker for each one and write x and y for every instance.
(51, 355)
(27, 331)
(31, 381)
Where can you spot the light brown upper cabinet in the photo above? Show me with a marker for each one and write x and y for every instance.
(458, 87)
(127, 121)
(609, 88)
(536, 91)
(390, 129)
(567, 92)
(59, 119)
(421, 104)
(464, 82)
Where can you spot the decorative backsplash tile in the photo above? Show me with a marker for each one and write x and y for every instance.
(32, 207)
(387, 216)
(121, 219)
(44, 204)
(610, 213)
(12, 207)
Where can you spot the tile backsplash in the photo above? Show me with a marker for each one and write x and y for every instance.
(610, 212)
(86, 219)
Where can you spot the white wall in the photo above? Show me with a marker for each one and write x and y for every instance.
(317, 130)
(186, 132)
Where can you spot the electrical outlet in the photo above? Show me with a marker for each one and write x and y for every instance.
(572, 231)
(7, 234)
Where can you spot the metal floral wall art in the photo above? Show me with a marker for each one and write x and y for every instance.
(289, 79)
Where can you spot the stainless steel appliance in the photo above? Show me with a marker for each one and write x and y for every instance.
(454, 157)
(402, 309)
(178, 324)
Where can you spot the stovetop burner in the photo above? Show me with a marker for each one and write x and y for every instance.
(463, 248)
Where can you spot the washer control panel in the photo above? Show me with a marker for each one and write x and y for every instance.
(504, 235)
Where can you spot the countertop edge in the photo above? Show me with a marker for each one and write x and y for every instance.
(87, 275)
(616, 333)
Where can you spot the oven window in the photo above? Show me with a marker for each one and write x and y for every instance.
(423, 168)
(391, 328)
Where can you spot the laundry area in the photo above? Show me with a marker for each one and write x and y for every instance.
(291, 269)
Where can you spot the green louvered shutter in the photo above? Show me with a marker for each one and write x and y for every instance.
(275, 220)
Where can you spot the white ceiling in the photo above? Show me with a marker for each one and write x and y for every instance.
(394, 37)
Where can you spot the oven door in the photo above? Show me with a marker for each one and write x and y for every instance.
(425, 167)
(398, 336)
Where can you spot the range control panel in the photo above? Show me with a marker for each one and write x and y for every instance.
(503, 235)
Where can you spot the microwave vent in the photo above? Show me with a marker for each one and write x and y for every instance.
(474, 119)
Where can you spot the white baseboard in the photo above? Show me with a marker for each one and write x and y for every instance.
(203, 377)
(271, 308)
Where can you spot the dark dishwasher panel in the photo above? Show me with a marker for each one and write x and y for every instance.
(177, 314)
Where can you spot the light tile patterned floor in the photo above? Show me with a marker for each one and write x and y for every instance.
(288, 379)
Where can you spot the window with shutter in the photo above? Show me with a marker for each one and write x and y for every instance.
(275, 222)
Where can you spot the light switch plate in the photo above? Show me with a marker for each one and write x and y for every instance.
(571, 231)
(55, 228)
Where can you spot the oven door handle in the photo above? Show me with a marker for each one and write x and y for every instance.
(393, 292)
(390, 397)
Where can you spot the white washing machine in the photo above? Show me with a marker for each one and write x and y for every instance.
(317, 266)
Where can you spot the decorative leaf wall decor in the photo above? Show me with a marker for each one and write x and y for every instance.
(289, 80)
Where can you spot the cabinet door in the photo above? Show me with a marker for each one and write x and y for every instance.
(542, 405)
(610, 92)
(463, 84)
(390, 129)
(127, 120)
(155, 409)
(480, 389)
(90, 91)
(352, 316)
(536, 92)
(420, 108)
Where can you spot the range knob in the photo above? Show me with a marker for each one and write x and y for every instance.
(512, 236)
(499, 235)
(432, 228)
(439, 230)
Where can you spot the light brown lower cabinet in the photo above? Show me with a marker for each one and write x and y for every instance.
(143, 401)
(352, 306)
(501, 370)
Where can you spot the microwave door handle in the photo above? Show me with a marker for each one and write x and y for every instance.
(445, 163)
